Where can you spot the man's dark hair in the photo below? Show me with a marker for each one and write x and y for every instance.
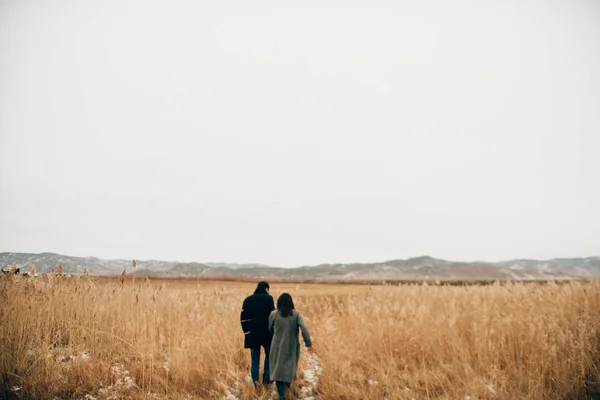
(262, 285)
(285, 304)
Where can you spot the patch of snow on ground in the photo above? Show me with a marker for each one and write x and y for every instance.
(123, 383)
(229, 394)
(312, 370)
(62, 354)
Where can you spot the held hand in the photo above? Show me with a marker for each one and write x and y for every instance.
(311, 349)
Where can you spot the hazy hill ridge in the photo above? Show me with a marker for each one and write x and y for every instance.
(413, 268)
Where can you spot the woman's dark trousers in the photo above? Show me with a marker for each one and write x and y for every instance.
(281, 386)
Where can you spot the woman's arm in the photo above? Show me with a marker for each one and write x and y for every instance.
(304, 329)
(271, 322)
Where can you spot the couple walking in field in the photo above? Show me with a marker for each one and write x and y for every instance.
(275, 330)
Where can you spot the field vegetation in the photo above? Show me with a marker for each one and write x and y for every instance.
(89, 338)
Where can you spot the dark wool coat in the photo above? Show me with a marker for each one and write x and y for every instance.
(255, 319)
(285, 348)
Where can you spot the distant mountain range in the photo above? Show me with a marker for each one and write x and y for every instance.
(418, 268)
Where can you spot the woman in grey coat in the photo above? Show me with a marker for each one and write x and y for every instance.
(284, 323)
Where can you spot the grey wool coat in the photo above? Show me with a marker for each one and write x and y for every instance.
(285, 347)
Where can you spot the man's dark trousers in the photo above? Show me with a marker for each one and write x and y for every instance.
(255, 366)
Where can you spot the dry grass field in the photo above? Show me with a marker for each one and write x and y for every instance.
(86, 338)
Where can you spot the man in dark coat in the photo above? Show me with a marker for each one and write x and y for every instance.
(255, 324)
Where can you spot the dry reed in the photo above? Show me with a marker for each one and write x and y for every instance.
(72, 338)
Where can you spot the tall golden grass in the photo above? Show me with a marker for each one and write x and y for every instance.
(84, 338)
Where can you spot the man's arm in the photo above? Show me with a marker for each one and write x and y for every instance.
(271, 304)
(244, 320)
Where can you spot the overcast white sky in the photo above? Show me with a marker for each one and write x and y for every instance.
(300, 132)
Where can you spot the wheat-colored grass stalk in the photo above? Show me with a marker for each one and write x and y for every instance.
(181, 339)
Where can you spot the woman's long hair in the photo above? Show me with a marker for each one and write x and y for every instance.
(285, 304)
